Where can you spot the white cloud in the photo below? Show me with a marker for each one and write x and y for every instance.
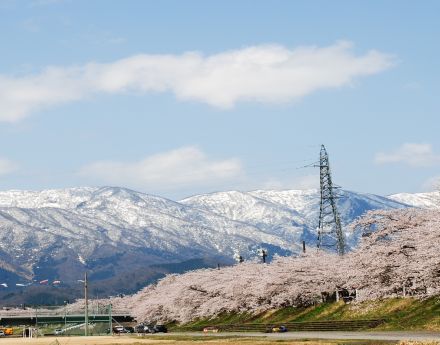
(181, 168)
(413, 154)
(7, 166)
(432, 184)
(265, 73)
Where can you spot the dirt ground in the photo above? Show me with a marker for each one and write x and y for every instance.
(116, 340)
(96, 340)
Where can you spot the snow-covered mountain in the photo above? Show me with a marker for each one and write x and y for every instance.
(290, 214)
(113, 224)
(430, 200)
(57, 234)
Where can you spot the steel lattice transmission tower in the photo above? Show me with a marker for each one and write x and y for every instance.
(330, 233)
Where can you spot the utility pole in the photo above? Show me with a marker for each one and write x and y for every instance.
(36, 320)
(110, 319)
(330, 233)
(86, 309)
(65, 315)
(264, 255)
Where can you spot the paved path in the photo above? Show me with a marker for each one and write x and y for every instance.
(120, 340)
(397, 335)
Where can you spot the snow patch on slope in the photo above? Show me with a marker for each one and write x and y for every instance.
(429, 200)
(59, 198)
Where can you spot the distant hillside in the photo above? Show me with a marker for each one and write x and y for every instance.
(56, 235)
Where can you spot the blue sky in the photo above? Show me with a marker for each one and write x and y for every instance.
(183, 97)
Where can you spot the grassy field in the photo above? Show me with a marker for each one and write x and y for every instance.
(398, 313)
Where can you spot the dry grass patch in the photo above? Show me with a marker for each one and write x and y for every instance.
(419, 343)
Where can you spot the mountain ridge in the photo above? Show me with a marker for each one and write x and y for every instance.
(58, 234)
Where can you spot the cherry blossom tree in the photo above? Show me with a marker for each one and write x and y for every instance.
(398, 255)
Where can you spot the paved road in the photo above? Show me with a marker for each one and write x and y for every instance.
(397, 335)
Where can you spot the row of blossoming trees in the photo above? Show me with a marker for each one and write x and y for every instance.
(398, 255)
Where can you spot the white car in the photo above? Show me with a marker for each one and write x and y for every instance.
(2, 334)
(58, 331)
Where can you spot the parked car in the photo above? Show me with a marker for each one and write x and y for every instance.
(119, 329)
(129, 329)
(2, 334)
(7, 331)
(210, 329)
(160, 328)
(149, 329)
(139, 328)
(58, 331)
(277, 329)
